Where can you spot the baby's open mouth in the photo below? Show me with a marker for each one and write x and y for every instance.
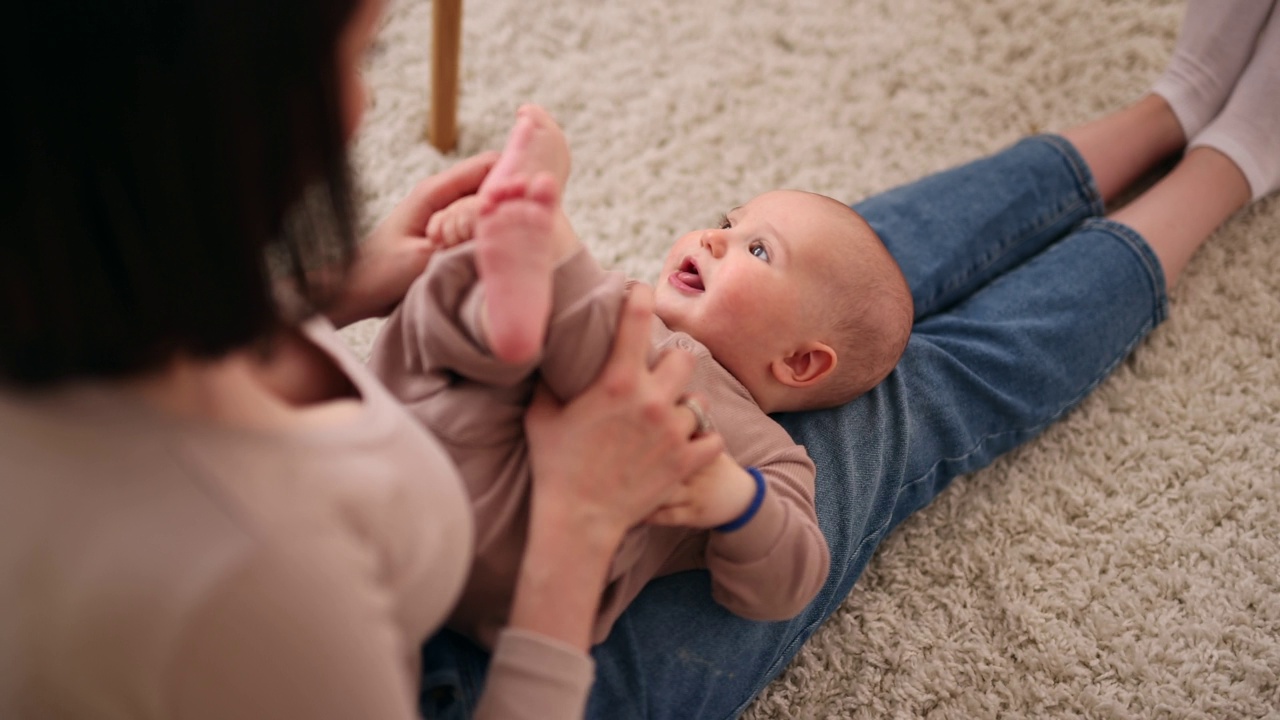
(688, 276)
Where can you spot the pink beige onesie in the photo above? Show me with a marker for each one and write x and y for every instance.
(431, 356)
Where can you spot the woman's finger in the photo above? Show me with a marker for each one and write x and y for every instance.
(698, 453)
(631, 342)
(696, 404)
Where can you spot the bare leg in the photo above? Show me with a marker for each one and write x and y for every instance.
(1228, 53)
(1121, 147)
(1179, 213)
(1183, 209)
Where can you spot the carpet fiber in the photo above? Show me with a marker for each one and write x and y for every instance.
(1124, 564)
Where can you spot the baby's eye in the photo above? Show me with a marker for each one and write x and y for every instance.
(758, 249)
(724, 223)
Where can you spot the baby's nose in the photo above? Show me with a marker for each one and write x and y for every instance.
(714, 241)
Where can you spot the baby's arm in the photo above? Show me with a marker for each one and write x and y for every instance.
(771, 567)
(719, 494)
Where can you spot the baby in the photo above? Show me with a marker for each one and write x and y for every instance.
(790, 303)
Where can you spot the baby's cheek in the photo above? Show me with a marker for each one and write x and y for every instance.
(741, 297)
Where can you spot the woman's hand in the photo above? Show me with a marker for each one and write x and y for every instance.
(397, 250)
(613, 455)
(602, 464)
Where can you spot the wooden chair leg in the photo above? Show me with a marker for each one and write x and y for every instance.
(446, 46)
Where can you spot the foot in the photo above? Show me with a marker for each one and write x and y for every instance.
(1215, 43)
(516, 245)
(536, 144)
(1248, 129)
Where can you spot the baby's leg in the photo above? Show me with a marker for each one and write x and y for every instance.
(517, 247)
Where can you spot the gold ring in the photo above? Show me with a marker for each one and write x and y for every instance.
(699, 415)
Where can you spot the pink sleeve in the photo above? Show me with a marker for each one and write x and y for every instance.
(771, 568)
(531, 676)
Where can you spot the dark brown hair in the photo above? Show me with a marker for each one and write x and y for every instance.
(155, 153)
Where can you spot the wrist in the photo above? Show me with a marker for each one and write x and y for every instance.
(563, 575)
(757, 500)
(572, 526)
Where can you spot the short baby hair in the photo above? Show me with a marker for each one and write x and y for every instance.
(150, 169)
(865, 306)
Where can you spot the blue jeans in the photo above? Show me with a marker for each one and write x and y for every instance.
(1025, 300)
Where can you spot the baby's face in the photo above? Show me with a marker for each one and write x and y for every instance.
(745, 289)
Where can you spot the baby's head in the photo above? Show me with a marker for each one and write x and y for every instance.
(795, 295)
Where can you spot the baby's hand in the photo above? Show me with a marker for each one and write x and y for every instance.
(719, 494)
(456, 223)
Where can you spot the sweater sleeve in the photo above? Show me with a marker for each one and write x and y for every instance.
(772, 567)
(535, 677)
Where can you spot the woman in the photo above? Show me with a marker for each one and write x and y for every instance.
(209, 508)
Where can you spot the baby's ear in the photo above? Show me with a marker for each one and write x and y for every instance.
(809, 364)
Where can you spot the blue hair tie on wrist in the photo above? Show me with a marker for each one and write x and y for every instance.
(752, 509)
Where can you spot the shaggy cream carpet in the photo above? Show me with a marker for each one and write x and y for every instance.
(1125, 564)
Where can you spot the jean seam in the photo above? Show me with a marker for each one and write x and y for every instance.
(1085, 183)
(1138, 246)
(1085, 195)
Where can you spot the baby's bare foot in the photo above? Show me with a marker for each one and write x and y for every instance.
(536, 144)
(515, 242)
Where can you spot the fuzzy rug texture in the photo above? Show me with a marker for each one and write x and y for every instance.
(1124, 564)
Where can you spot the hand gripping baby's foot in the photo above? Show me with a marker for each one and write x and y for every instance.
(514, 259)
(515, 252)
